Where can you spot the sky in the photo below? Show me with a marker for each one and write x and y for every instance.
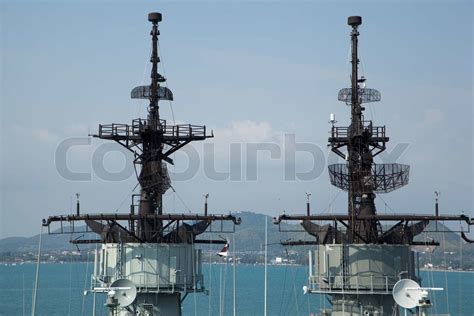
(263, 73)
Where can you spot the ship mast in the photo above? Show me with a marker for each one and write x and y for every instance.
(360, 156)
(360, 176)
(356, 262)
(151, 200)
(152, 141)
(149, 267)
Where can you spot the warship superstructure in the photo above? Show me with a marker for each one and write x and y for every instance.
(147, 262)
(364, 261)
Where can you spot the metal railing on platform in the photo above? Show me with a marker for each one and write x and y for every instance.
(352, 284)
(344, 131)
(139, 126)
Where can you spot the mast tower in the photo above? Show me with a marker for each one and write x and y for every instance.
(148, 262)
(358, 265)
(360, 176)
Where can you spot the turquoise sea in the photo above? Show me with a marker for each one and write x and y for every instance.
(61, 288)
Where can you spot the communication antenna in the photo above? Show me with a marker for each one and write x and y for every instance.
(361, 82)
(405, 298)
(437, 194)
(408, 294)
(78, 206)
(332, 119)
(308, 207)
(124, 291)
(206, 196)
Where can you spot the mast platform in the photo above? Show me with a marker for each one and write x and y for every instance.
(133, 132)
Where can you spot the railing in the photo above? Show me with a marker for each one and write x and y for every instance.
(353, 284)
(344, 131)
(100, 283)
(185, 131)
(66, 224)
(139, 126)
(173, 131)
(339, 131)
(110, 130)
(143, 125)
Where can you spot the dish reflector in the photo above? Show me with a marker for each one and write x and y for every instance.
(144, 92)
(125, 292)
(365, 95)
(407, 293)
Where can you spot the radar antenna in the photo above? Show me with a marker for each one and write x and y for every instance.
(409, 294)
(153, 240)
(360, 176)
(364, 260)
(152, 142)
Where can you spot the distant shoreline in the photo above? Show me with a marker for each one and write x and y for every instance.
(303, 265)
(216, 263)
(444, 270)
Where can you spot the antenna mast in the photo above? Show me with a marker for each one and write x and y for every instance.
(154, 114)
(131, 255)
(358, 263)
(360, 176)
(152, 141)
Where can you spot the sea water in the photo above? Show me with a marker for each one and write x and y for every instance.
(61, 291)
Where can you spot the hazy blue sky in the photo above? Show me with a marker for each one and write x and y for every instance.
(252, 71)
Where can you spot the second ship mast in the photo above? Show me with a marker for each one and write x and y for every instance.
(365, 260)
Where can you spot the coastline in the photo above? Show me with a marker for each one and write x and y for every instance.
(213, 263)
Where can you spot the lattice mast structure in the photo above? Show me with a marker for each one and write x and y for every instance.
(356, 261)
(149, 267)
(147, 140)
(360, 176)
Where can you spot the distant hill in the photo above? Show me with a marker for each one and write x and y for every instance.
(250, 238)
(452, 252)
(49, 242)
(250, 234)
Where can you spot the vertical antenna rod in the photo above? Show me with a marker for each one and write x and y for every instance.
(265, 274)
(154, 18)
(437, 193)
(151, 197)
(308, 207)
(355, 21)
(206, 196)
(78, 205)
(356, 119)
